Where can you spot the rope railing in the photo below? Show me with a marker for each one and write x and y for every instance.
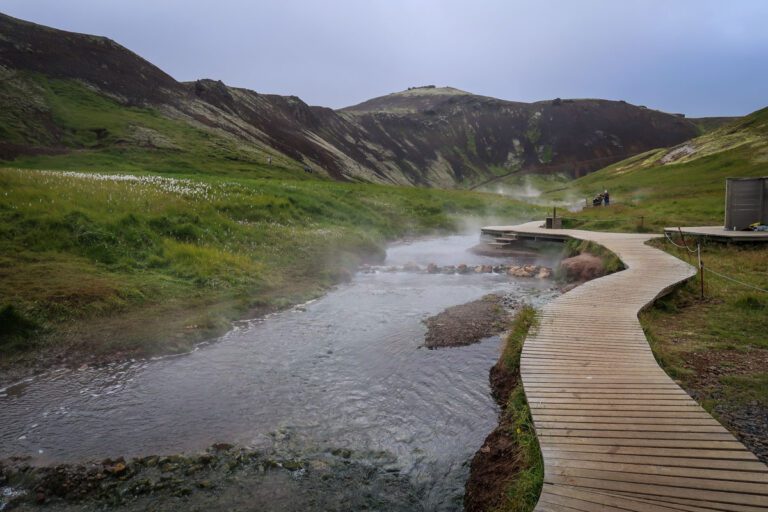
(595, 220)
(685, 246)
(677, 245)
(702, 268)
(639, 219)
(723, 276)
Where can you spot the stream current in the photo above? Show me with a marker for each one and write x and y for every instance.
(346, 371)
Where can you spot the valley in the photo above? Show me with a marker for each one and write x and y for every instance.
(213, 297)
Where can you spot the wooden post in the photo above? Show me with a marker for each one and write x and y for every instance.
(642, 220)
(701, 269)
(554, 212)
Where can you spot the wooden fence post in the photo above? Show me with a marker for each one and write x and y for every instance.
(701, 269)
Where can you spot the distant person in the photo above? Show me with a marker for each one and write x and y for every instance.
(598, 200)
(606, 198)
(269, 160)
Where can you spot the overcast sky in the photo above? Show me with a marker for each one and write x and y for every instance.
(700, 57)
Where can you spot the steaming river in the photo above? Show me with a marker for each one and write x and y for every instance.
(345, 371)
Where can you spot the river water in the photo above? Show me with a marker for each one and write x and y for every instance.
(344, 371)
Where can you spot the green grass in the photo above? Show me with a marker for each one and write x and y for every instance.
(648, 194)
(152, 264)
(524, 321)
(731, 320)
(95, 132)
(524, 487)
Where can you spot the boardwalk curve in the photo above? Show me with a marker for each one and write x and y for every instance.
(616, 433)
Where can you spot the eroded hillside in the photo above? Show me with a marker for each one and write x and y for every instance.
(74, 100)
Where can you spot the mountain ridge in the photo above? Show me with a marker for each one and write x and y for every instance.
(424, 136)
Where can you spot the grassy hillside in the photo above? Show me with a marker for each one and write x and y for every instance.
(67, 125)
(149, 264)
(684, 185)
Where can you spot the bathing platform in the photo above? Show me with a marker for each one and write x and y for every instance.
(719, 234)
(616, 432)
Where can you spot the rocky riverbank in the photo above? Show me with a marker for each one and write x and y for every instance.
(222, 478)
(468, 323)
(529, 271)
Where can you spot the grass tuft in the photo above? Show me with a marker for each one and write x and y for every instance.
(523, 488)
(15, 330)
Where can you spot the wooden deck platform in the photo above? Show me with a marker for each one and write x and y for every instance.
(719, 234)
(616, 432)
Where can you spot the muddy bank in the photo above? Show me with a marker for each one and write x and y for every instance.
(581, 268)
(497, 462)
(467, 323)
(511, 449)
(222, 478)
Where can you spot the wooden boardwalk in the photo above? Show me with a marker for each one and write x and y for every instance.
(616, 432)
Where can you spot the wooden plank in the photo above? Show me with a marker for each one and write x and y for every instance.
(702, 492)
(668, 461)
(598, 412)
(592, 503)
(545, 419)
(545, 506)
(607, 401)
(628, 427)
(658, 469)
(692, 504)
(603, 390)
(586, 500)
(588, 384)
(684, 406)
(706, 444)
(533, 379)
(631, 434)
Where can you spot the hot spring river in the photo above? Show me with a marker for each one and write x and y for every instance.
(344, 371)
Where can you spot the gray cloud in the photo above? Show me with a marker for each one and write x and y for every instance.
(694, 56)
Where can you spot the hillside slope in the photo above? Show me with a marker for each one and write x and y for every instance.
(469, 133)
(79, 101)
(682, 185)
